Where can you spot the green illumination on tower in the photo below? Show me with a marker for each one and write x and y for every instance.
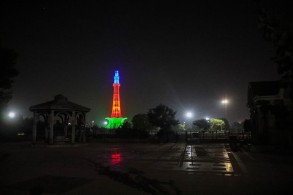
(116, 120)
(114, 123)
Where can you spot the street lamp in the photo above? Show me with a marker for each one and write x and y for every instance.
(225, 102)
(11, 114)
(189, 115)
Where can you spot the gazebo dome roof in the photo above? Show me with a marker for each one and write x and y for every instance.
(60, 102)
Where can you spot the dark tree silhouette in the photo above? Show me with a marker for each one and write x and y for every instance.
(126, 125)
(227, 124)
(237, 127)
(247, 125)
(7, 73)
(281, 36)
(202, 124)
(163, 117)
(141, 122)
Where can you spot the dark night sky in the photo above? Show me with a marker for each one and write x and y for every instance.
(186, 56)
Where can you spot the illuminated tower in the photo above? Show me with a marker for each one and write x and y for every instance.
(116, 109)
(116, 119)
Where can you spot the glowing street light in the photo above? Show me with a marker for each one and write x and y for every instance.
(11, 114)
(225, 101)
(189, 114)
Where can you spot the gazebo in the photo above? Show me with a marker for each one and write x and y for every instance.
(60, 116)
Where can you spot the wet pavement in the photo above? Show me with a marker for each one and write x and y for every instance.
(189, 159)
(199, 159)
(173, 168)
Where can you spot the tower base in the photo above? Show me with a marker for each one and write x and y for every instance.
(114, 123)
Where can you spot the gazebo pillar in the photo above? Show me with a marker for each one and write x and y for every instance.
(51, 130)
(84, 129)
(65, 130)
(36, 118)
(73, 127)
(66, 124)
(47, 131)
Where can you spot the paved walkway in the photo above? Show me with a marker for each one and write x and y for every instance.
(174, 168)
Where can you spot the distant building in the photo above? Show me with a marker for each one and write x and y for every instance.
(270, 113)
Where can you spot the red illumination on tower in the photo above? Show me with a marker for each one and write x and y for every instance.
(116, 109)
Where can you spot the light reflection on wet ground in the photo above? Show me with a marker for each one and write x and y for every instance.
(200, 159)
(190, 159)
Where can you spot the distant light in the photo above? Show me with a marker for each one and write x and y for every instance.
(11, 114)
(189, 114)
(69, 123)
(207, 118)
(225, 101)
(105, 123)
(93, 121)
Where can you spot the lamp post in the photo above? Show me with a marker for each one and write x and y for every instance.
(225, 102)
(189, 116)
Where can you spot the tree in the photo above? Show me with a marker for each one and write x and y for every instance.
(237, 127)
(247, 125)
(141, 122)
(281, 36)
(202, 124)
(226, 125)
(126, 125)
(7, 73)
(217, 124)
(163, 117)
(127, 131)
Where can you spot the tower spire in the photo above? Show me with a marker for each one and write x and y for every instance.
(116, 77)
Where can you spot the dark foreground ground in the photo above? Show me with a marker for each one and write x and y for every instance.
(173, 168)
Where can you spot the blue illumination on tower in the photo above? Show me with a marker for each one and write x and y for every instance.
(116, 77)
